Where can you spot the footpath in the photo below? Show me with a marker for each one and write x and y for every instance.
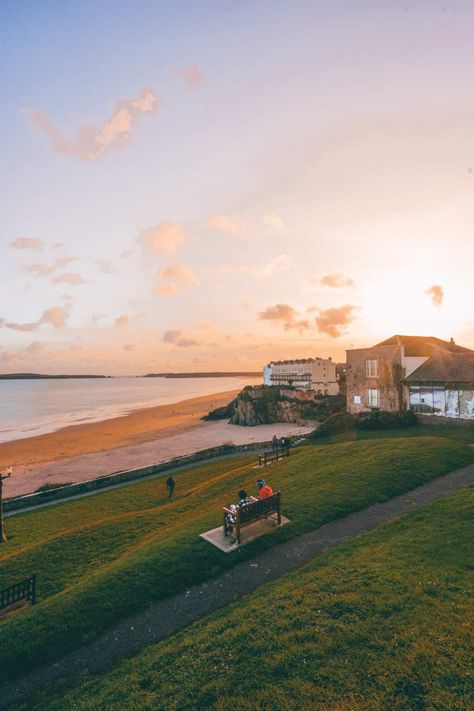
(166, 617)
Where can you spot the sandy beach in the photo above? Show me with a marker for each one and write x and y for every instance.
(142, 438)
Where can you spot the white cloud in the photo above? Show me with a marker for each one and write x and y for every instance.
(56, 316)
(72, 278)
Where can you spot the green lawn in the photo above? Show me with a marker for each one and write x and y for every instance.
(384, 622)
(102, 558)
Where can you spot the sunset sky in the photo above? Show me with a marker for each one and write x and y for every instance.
(209, 185)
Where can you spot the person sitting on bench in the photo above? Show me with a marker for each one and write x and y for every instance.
(243, 501)
(264, 489)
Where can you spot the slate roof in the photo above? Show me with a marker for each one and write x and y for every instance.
(445, 367)
(423, 345)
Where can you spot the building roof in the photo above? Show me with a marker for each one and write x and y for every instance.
(423, 345)
(445, 367)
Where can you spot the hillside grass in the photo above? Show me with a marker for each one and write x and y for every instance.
(384, 622)
(102, 558)
(464, 434)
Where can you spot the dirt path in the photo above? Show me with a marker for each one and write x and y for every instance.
(167, 617)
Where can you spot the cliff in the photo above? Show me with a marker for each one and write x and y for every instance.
(262, 405)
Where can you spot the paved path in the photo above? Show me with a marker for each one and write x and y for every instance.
(167, 617)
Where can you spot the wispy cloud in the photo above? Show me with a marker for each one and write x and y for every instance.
(72, 278)
(55, 316)
(336, 281)
(177, 338)
(192, 75)
(92, 142)
(436, 293)
(165, 289)
(273, 222)
(122, 321)
(164, 239)
(128, 347)
(329, 321)
(45, 269)
(27, 243)
(179, 273)
(226, 223)
(280, 263)
(105, 267)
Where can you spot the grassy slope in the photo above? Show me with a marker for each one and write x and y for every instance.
(382, 622)
(100, 559)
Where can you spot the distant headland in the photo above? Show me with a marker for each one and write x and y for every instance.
(41, 376)
(217, 374)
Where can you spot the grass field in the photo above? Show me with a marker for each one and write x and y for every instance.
(384, 622)
(102, 558)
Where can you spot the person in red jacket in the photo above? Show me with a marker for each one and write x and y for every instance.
(264, 489)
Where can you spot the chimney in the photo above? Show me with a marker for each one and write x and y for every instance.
(451, 340)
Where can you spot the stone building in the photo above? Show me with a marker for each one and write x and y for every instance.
(423, 373)
(316, 374)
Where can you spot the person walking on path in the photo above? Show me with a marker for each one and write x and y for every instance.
(170, 484)
(274, 442)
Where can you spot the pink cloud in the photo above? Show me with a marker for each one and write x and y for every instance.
(177, 338)
(165, 289)
(56, 316)
(27, 243)
(279, 312)
(179, 273)
(226, 223)
(72, 278)
(164, 239)
(192, 75)
(330, 320)
(436, 293)
(336, 281)
(45, 269)
(273, 222)
(90, 142)
(122, 321)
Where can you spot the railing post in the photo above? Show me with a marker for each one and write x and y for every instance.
(33, 589)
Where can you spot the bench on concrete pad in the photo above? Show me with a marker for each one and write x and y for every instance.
(275, 456)
(17, 594)
(261, 508)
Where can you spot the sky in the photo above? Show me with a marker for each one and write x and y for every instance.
(211, 185)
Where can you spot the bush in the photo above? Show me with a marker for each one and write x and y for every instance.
(339, 422)
(375, 420)
(378, 420)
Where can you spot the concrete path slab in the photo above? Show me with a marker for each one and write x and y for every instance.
(254, 530)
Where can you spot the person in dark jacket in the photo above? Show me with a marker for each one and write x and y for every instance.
(170, 484)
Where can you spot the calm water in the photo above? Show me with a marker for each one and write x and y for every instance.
(33, 407)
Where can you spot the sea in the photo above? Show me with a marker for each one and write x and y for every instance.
(34, 407)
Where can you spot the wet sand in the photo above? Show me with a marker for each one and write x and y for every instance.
(142, 425)
(142, 438)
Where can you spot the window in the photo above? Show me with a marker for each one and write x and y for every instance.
(371, 368)
(372, 397)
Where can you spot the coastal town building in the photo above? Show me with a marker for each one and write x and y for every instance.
(317, 374)
(426, 374)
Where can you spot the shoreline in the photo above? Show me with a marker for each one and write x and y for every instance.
(136, 427)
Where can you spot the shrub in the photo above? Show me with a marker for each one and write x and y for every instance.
(339, 422)
(378, 420)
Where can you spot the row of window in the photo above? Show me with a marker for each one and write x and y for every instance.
(447, 402)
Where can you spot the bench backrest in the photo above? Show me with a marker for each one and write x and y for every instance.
(259, 508)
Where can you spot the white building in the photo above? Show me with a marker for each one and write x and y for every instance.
(318, 374)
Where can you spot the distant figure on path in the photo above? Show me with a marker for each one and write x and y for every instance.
(274, 442)
(264, 489)
(170, 484)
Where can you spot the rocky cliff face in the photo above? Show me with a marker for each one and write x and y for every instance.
(262, 405)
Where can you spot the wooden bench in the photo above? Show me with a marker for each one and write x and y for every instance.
(275, 456)
(24, 590)
(261, 508)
